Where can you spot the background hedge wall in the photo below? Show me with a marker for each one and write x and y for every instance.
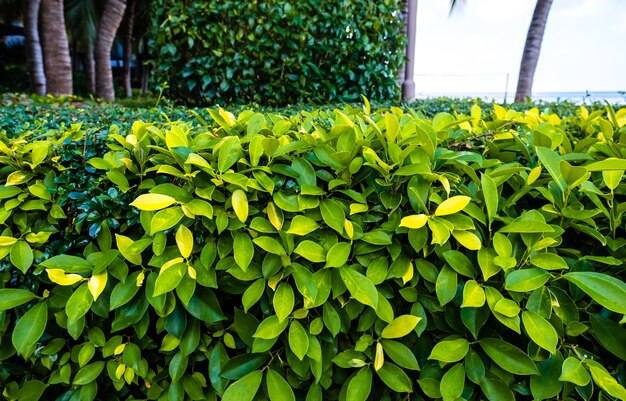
(330, 255)
(279, 52)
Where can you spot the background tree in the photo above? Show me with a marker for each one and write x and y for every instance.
(56, 50)
(33, 47)
(112, 16)
(532, 48)
(82, 19)
(128, 46)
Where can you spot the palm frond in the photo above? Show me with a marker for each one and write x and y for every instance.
(455, 5)
(81, 17)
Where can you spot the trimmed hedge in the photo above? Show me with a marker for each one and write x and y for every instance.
(276, 52)
(330, 255)
(20, 113)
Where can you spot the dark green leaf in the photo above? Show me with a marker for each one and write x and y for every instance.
(452, 382)
(602, 288)
(240, 365)
(508, 356)
(30, 328)
(395, 378)
(88, 374)
(360, 287)
(79, 303)
(360, 385)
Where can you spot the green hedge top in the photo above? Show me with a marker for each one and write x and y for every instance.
(344, 255)
(276, 52)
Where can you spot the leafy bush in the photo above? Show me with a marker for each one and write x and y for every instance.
(20, 113)
(339, 255)
(277, 52)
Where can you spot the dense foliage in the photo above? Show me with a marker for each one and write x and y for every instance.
(326, 255)
(19, 113)
(276, 52)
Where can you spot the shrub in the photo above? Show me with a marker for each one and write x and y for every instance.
(344, 255)
(277, 52)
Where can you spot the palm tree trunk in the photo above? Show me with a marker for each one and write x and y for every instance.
(405, 19)
(532, 48)
(408, 83)
(128, 48)
(56, 49)
(107, 28)
(33, 46)
(91, 68)
(145, 73)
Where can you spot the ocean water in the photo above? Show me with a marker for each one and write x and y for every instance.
(586, 97)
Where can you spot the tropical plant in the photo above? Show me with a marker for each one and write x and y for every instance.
(109, 22)
(33, 47)
(82, 19)
(56, 50)
(532, 49)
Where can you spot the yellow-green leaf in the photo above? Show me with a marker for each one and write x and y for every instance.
(275, 216)
(97, 282)
(311, 251)
(245, 388)
(18, 177)
(605, 381)
(240, 205)
(184, 241)
(153, 202)
(414, 221)
(59, 277)
(243, 250)
(473, 295)
(379, 358)
(300, 225)
(278, 389)
(573, 371)
(449, 350)
(400, 326)
(283, 301)
(452, 205)
(21, 255)
(468, 239)
(540, 331)
(7, 241)
(123, 245)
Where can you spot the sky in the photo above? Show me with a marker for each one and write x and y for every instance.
(474, 49)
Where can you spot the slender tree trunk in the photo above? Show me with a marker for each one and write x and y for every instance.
(145, 74)
(90, 68)
(408, 84)
(33, 46)
(405, 20)
(74, 57)
(107, 28)
(128, 48)
(56, 49)
(532, 48)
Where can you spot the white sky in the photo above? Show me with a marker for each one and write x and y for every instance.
(584, 46)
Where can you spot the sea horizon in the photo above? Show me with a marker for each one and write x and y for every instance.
(580, 97)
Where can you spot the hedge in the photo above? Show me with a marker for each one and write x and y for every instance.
(330, 255)
(278, 52)
(20, 113)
